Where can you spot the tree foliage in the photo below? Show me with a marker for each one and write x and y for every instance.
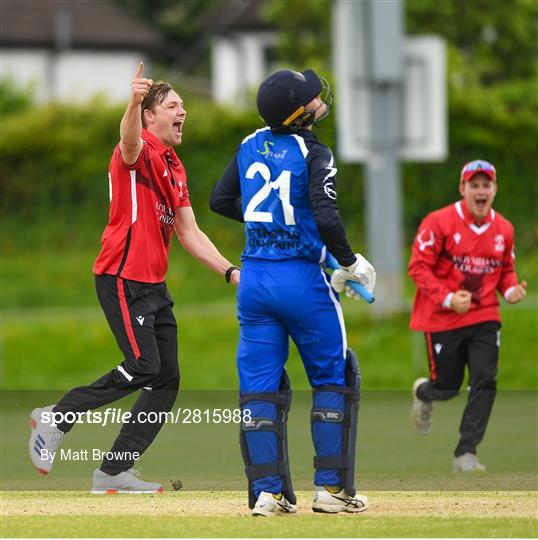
(54, 158)
(498, 39)
(492, 92)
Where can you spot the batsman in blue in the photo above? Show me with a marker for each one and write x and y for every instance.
(281, 183)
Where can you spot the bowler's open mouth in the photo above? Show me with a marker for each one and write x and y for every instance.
(177, 127)
(481, 202)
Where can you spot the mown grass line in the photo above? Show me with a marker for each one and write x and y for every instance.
(309, 526)
(196, 514)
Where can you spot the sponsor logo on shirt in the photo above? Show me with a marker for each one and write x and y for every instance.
(277, 238)
(164, 213)
(475, 265)
(267, 152)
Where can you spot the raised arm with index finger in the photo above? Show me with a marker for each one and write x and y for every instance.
(131, 123)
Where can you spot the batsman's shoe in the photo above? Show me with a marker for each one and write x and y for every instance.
(332, 503)
(44, 440)
(421, 411)
(273, 505)
(124, 482)
(467, 463)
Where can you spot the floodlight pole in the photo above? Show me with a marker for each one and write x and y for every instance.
(391, 105)
(383, 24)
(384, 204)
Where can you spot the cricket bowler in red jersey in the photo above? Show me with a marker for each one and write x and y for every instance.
(149, 199)
(463, 255)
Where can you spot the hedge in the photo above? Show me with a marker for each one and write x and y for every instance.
(54, 158)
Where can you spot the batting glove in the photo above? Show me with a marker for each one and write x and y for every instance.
(361, 270)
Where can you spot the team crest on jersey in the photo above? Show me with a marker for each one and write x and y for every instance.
(499, 242)
(425, 240)
(457, 238)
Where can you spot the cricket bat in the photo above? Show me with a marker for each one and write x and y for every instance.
(332, 263)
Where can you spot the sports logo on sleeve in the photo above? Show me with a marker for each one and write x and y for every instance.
(329, 191)
(425, 239)
(328, 183)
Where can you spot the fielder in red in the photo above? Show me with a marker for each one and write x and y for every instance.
(149, 200)
(462, 256)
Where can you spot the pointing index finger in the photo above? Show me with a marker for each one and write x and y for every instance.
(139, 70)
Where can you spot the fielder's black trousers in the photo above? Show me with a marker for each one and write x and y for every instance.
(141, 318)
(476, 346)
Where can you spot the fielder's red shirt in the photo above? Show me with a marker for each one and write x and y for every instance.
(451, 252)
(143, 200)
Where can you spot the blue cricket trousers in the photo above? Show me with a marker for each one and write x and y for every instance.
(276, 300)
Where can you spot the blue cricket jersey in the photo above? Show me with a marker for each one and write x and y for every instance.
(283, 186)
(278, 214)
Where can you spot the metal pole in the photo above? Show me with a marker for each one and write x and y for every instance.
(383, 184)
(384, 202)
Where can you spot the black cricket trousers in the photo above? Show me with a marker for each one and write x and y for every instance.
(141, 318)
(476, 346)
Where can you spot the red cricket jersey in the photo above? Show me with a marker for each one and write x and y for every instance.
(451, 252)
(143, 200)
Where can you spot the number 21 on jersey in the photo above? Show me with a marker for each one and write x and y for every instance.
(281, 185)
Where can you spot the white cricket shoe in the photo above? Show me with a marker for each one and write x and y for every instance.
(124, 482)
(272, 505)
(332, 503)
(467, 463)
(421, 411)
(44, 440)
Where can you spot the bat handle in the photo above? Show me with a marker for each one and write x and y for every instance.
(366, 295)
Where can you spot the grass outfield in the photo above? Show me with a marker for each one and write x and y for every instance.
(61, 276)
(64, 347)
(66, 342)
(224, 514)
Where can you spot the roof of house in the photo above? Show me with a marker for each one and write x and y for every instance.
(81, 24)
(238, 15)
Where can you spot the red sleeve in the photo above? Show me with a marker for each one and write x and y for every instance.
(184, 199)
(427, 248)
(138, 163)
(184, 196)
(508, 276)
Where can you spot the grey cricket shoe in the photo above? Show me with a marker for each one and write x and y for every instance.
(270, 505)
(125, 482)
(332, 503)
(467, 463)
(45, 439)
(421, 411)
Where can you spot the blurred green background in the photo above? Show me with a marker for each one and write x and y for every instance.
(54, 204)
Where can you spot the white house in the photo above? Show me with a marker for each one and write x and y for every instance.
(69, 50)
(242, 50)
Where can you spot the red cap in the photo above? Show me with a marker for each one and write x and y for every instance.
(478, 166)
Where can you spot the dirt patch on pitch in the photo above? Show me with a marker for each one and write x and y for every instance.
(468, 504)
